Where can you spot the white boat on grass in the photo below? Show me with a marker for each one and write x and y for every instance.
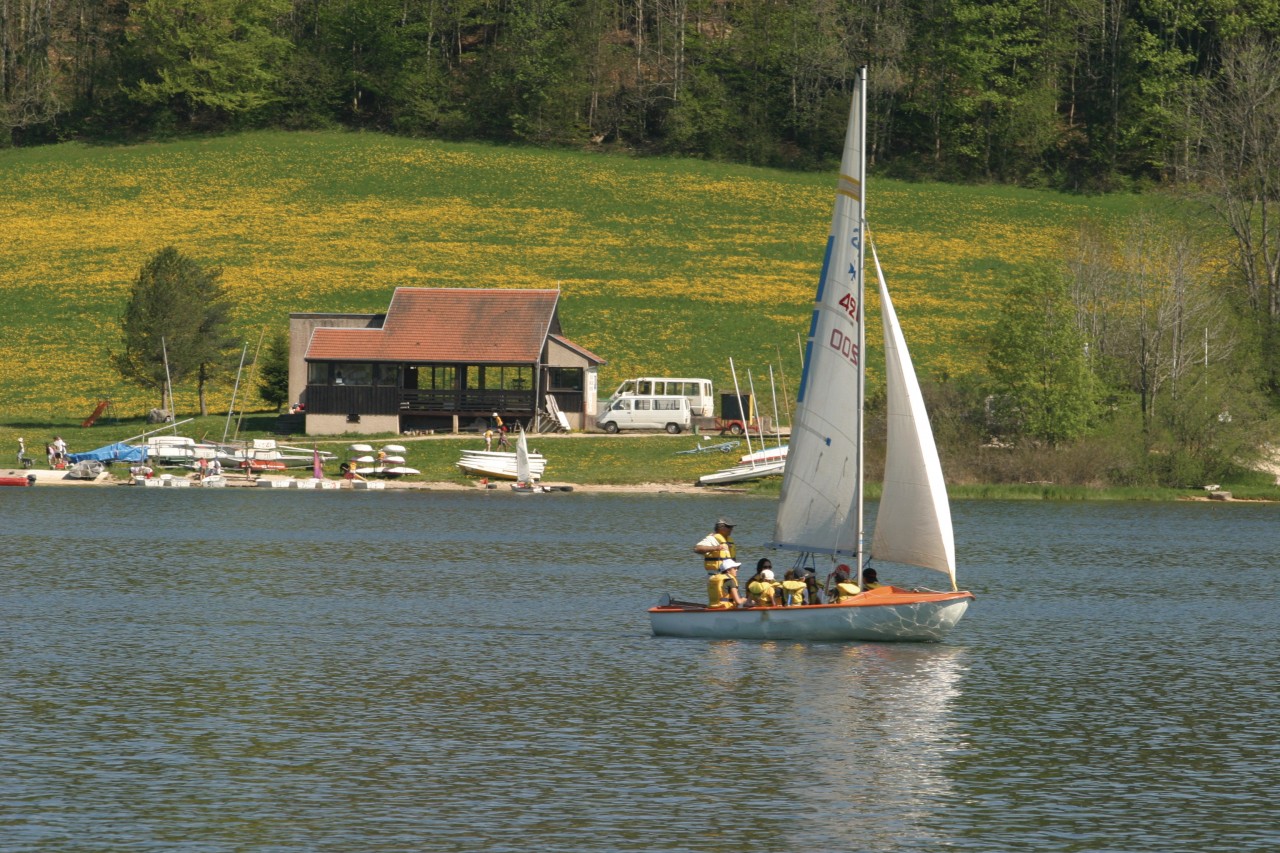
(744, 473)
(500, 464)
(820, 507)
(769, 454)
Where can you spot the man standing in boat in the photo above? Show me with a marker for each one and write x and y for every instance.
(717, 547)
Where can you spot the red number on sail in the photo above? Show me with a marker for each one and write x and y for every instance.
(850, 305)
(844, 345)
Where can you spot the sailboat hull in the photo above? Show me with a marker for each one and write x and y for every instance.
(887, 614)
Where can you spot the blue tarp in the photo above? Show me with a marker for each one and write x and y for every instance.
(118, 452)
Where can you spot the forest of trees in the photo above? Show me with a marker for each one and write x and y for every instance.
(1073, 94)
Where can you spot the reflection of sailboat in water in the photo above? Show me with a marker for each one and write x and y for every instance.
(820, 509)
(891, 712)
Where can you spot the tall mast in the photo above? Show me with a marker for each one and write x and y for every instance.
(862, 302)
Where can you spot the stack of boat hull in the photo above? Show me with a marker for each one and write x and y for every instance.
(486, 463)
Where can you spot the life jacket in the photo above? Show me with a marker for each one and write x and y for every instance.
(716, 596)
(873, 584)
(711, 559)
(761, 593)
(793, 592)
(847, 589)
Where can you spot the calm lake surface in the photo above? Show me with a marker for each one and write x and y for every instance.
(253, 669)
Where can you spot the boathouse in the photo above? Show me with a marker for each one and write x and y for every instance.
(442, 359)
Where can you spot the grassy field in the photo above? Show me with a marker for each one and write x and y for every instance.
(666, 266)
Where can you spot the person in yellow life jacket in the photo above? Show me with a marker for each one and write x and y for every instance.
(844, 591)
(869, 579)
(793, 588)
(722, 587)
(717, 547)
(762, 589)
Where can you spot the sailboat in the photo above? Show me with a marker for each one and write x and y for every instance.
(820, 507)
(525, 481)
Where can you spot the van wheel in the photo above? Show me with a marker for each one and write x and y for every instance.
(673, 429)
(611, 428)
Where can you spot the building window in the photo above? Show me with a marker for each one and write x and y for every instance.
(501, 377)
(564, 379)
(437, 377)
(354, 373)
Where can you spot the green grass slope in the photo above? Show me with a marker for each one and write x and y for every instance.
(666, 266)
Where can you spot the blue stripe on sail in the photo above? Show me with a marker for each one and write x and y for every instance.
(826, 263)
(804, 373)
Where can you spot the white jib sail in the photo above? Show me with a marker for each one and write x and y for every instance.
(820, 500)
(913, 524)
(523, 474)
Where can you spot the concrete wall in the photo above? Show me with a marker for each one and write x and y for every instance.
(337, 424)
(300, 328)
(559, 355)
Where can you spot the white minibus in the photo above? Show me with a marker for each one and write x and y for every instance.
(698, 392)
(647, 412)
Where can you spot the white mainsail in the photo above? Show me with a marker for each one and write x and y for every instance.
(819, 510)
(913, 525)
(523, 474)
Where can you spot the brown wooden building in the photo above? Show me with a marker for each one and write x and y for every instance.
(442, 359)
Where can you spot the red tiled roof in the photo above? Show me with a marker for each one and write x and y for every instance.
(448, 324)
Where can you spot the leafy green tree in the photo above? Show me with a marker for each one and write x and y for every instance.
(273, 383)
(217, 58)
(177, 312)
(1043, 387)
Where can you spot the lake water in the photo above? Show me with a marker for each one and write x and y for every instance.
(262, 670)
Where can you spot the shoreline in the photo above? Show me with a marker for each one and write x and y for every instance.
(45, 477)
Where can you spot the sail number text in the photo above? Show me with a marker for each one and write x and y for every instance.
(850, 306)
(845, 345)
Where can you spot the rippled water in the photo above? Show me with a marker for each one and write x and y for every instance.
(262, 670)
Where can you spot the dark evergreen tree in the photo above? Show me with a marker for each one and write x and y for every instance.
(273, 376)
(177, 312)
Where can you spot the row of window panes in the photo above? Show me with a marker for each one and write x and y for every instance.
(442, 377)
(673, 388)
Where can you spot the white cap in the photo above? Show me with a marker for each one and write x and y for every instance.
(730, 564)
(767, 574)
